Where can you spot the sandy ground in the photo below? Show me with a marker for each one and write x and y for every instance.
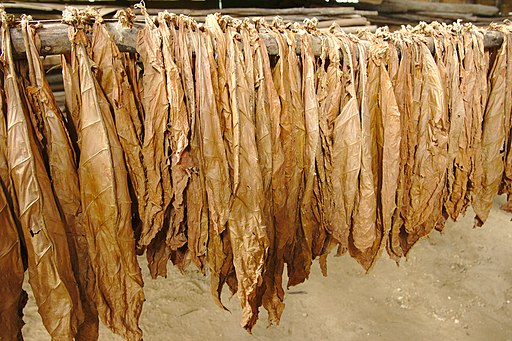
(454, 286)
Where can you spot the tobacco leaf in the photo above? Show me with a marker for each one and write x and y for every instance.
(12, 296)
(450, 57)
(346, 151)
(478, 105)
(493, 134)
(391, 127)
(107, 205)
(330, 87)
(72, 99)
(427, 186)
(323, 73)
(384, 119)
(270, 156)
(155, 145)
(113, 79)
(246, 230)
(285, 184)
(366, 230)
(64, 179)
(49, 265)
(179, 129)
(134, 73)
(309, 220)
(506, 183)
(219, 254)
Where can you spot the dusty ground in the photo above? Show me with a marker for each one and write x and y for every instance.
(455, 286)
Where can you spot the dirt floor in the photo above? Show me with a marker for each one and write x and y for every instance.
(454, 286)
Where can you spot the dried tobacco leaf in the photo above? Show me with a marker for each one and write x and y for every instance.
(219, 255)
(428, 176)
(246, 230)
(196, 223)
(49, 266)
(365, 230)
(300, 268)
(72, 98)
(450, 56)
(64, 178)
(5, 178)
(323, 80)
(285, 183)
(391, 145)
(213, 155)
(12, 296)
(403, 89)
(385, 143)
(179, 128)
(331, 83)
(113, 79)
(506, 183)
(493, 134)
(107, 205)
(155, 146)
(134, 73)
(478, 104)
(270, 155)
(346, 150)
(296, 145)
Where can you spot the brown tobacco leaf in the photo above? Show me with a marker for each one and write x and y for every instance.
(345, 159)
(72, 98)
(506, 184)
(179, 128)
(289, 234)
(473, 73)
(330, 88)
(319, 233)
(448, 63)
(385, 144)
(285, 183)
(214, 160)
(133, 72)
(113, 79)
(107, 205)
(299, 269)
(270, 155)
(403, 87)
(429, 114)
(49, 265)
(12, 296)
(457, 49)
(246, 229)
(219, 255)
(187, 174)
(365, 230)
(493, 132)
(65, 183)
(296, 145)
(478, 105)
(391, 136)
(5, 178)
(155, 147)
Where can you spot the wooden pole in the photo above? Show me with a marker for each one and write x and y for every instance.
(54, 39)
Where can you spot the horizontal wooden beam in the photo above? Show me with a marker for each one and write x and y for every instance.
(54, 39)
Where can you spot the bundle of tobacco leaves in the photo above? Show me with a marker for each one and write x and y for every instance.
(202, 149)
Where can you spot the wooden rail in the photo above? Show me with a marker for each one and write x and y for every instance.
(54, 39)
